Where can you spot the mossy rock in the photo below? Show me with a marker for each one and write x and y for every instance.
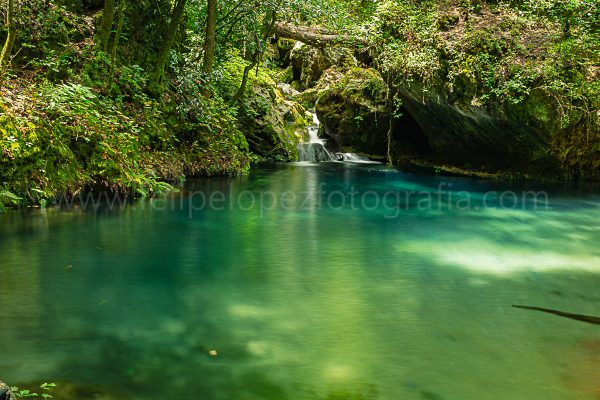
(272, 125)
(284, 48)
(354, 111)
(309, 63)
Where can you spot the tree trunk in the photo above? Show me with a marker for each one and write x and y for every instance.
(10, 40)
(210, 41)
(165, 48)
(253, 62)
(317, 37)
(115, 45)
(108, 15)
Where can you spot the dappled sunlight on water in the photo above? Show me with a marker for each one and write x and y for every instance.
(311, 299)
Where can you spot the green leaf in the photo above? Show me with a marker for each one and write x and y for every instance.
(9, 195)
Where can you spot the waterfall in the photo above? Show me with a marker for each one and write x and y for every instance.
(314, 150)
(313, 130)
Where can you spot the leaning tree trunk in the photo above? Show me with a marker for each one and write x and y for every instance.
(211, 33)
(267, 29)
(5, 392)
(108, 15)
(165, 48)
(314, 36)
(10, 40)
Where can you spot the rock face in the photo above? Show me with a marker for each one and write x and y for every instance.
(355, 112)
(464, 134)
(433, 126)
(525, 138)
(309, 63)
(272, 125)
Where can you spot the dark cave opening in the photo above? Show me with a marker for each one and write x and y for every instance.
(408, 137)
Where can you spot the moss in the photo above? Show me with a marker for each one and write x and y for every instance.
(286, 75)
(273, 125)
(446, 21)
(355, 113)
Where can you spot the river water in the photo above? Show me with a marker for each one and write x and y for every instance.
(331, 281)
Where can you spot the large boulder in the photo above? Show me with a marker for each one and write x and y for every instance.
(309, 63)
(354, 112)
(272, 124)
(467, 135)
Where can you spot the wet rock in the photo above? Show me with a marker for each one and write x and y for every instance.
(272, 124)
(354, 112)
(5, 392)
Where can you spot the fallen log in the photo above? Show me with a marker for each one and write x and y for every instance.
(317, 37)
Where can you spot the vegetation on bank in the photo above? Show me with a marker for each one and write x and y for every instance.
(133, 95)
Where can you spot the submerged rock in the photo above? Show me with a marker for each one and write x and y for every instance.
(5, 392)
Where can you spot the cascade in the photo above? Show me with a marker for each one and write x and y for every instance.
(314, 150)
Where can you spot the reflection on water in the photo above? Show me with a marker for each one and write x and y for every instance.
(306, 302)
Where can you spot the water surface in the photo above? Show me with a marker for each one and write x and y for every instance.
(313, 297)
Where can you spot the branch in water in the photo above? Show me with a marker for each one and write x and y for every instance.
(578, 317)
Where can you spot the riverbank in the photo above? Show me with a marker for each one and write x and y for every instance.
(458, 90)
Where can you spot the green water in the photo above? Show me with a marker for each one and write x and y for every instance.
(315, 298)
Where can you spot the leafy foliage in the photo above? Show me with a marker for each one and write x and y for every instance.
(24, 393)
(494, 52)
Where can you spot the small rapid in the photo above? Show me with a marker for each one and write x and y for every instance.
(355, 158)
